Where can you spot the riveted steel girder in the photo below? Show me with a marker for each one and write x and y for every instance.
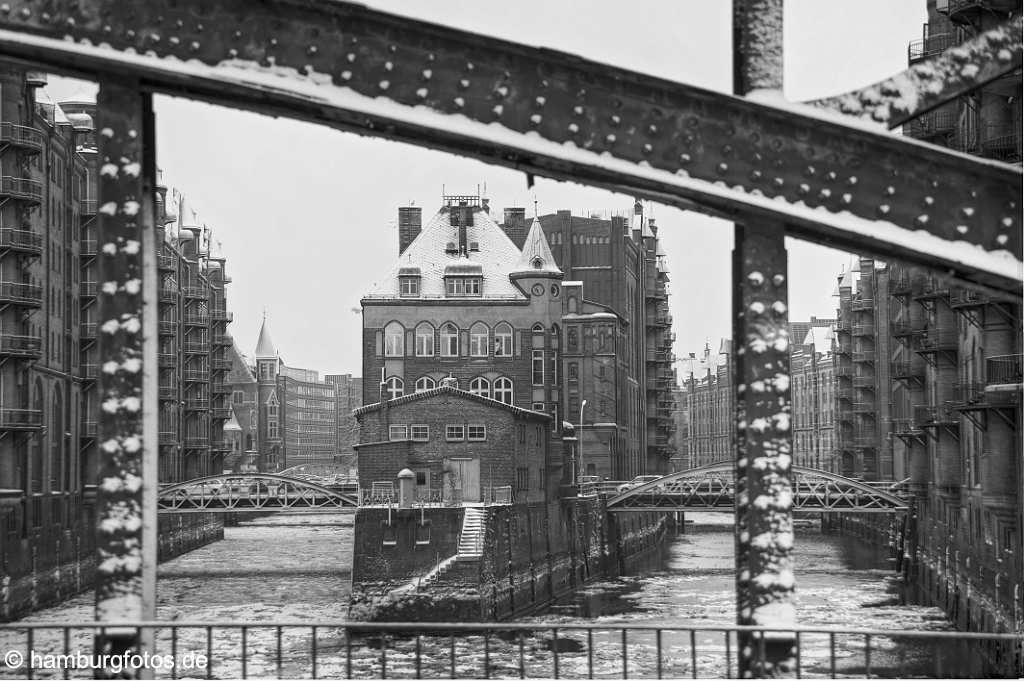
(828, 179)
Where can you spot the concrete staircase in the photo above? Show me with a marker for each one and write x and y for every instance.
(471, 541)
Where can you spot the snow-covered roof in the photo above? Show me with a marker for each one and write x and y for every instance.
(232, 423)
(430, 252)
(536, 257)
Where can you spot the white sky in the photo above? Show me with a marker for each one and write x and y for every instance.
(306, 215)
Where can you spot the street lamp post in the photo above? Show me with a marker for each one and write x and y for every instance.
(582, 467)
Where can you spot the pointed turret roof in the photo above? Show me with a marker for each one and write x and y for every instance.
(536, 258)
(264, 346)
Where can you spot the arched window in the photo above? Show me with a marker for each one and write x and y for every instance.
(424, 340)
(478, 340)
(394, 340)
(394, 387)
(538, 336)
(449, 340)
(503, 340)
(503, 390)
(480, 386)
(425, 383)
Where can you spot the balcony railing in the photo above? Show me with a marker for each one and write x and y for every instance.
(195, 375)
(219, 314)
(220, 413)
(933, 124)
(932, 290)
(21, 240)
(1001, 141)
(87, 207)
(19, 345)
(29, 295)
(963, 297)
(167, 262)
(196, 319)
(21, 419)
(862, 304)
(167, 359)
(905, 427)
(22, 136)
(930, 46)
(87, 331)
(863, 407)
(867, 356)
(863, 329)
(168, 391)
(168, 437)
(220, 388)
(91, 371)
(167, 294)
(222, 339)
(905, 370)
(88, 247)
(197, 441)
(1004, 370)
(194, 292)
(844, 393)
(938, 339)
(167, 327)
(968, 393)
(940, 415)
(864, 382)
(221, 364)
(903, 328)
(88, 289)
(197, 403)
(89, 429)
(196, 347)
(21, 188)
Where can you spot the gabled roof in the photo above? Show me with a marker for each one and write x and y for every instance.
(820, 337)
(492, 259)
(536, 258)
(446, 389)
(265, 346)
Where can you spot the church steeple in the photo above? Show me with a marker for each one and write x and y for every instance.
(266, 355)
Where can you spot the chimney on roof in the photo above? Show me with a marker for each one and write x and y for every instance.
(410, 222)
(515, 226)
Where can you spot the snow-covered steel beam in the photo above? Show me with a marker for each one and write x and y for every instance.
(760, 358)
(830, 179)
(125, 217)
(935, 81)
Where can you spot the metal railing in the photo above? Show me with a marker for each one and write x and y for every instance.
(932, 45)
(20, 345)
(17, 292)
(21, 188)
(338, 649)
(21, 239)
(22, 136)
(1004, 369)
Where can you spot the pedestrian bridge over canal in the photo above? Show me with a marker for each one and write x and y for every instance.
(713, 488)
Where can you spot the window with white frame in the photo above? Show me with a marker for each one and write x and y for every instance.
(394, 387)
(394, 340)
(272, 430)
(480, 386)
(424, 340)
(409, 286)
(420, 432)
(425, 383)
(463, 286)
(478, 340)
(398, 432)
(449, 340)
(503, 390)
(503, 340)
(455, 431)
(476, 433)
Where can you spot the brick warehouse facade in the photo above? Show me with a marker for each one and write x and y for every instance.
(460, 446)
(48, 362)
(465, 300)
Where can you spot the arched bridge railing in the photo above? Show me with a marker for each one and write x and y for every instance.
(251, 492)
(713, 487)
(326, 471)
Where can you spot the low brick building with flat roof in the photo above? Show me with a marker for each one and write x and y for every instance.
(461, 447)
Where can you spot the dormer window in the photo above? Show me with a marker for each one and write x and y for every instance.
(409, 282)
(463, 286)
(538, 263)
(409, 286)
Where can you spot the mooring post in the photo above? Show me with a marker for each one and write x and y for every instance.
(761, 377)
(126, 484)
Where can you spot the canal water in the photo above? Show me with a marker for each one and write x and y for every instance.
(297, 568)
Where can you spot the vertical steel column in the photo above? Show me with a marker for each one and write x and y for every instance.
(126, 538)
(761, 377)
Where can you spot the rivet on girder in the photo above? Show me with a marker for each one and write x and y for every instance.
(238, 35)
(890, 190)
(778, 182)
(194, 46)
(173, 40)
(311, 50)
(421, 93)
(693, 121)
(1007, 223)
(540, 101)
(684, 158)
(459, 102)
(5, 8)
(351, 57)
(535, 119)
(1002, 239)
(825, 193)
(884, 209)
(392, 48)
(384, 84)
(804, 189)
(722, 168)
(962, 229)
(199, 28)
(647, 148)
(615, 120)
(26, 12)
(577, 110)
(347, 75)
(463, 84)
(273, 42)
(388, 66)
(573, 128)
(967, 211)
(928, 201)
(233, 53)
(755, 175)
(130, 34)
(810, 171)
(922, 220)
(610, 139)
(652, 130)
(430, 57)
(426, 74)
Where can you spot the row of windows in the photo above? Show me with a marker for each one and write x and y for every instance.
(448, 340)
(453, 286)
(500, 390)
(453, 432)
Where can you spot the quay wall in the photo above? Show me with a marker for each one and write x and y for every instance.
(979, 588)
(54, 563)
(532, 553)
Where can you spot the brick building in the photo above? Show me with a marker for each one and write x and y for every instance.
(812, 384)
(291, 416)
(465, 300)
(48, 356)
(462, 447)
